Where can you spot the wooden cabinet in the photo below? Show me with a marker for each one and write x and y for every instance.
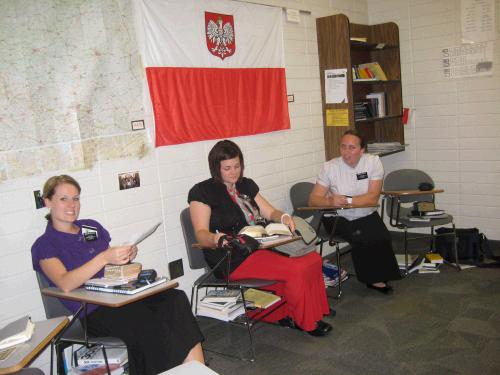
(337, 49)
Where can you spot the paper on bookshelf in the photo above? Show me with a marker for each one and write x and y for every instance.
(17, 332)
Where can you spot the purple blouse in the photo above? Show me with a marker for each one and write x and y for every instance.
(72, 250)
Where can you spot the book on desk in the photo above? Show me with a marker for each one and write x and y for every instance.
(131, 287)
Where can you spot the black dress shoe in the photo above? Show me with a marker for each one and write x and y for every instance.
(387, 289)
(287, 322)
(322, 329)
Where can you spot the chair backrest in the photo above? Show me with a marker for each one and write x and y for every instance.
(195, 256)
(407, 179)
(53, 306)
(299, 196)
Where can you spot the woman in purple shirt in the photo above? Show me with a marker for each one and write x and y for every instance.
(160, 331)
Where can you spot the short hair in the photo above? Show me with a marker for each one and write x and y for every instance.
(49, 188)
(354, 132)
(224, 150)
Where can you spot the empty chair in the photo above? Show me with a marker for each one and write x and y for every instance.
(400, 192)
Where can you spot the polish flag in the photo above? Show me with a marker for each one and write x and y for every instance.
(215, 68)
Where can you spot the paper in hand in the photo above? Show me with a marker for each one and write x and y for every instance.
(136, 239)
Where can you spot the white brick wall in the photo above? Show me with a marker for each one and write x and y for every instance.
(454, 132)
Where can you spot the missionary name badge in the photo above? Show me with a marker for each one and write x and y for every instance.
(219, 32)
(362, 175)
(89, 233)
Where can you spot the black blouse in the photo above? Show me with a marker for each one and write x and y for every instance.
(226, 215)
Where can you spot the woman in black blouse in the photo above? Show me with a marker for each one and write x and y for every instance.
(226, 203)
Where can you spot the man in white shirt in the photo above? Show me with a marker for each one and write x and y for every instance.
(356, 178)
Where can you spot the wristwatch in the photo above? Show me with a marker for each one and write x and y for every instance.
(348, 198)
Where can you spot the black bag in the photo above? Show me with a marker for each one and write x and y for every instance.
(472, 246)
(240, 247)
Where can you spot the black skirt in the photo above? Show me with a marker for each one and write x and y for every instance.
(372, 254)
(159, 331)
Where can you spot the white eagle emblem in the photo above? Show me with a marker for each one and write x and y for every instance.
(220, 37)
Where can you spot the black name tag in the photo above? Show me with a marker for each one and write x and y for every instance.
(89, 233)
(362, 175)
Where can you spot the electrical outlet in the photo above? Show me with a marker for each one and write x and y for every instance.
(176, 269)
(38, 199)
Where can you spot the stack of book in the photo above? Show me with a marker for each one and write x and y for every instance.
(90, 361)
(363, 111)
(221, 304)
(124, 272)
(377, 148)
(431, 263)
(331, 274)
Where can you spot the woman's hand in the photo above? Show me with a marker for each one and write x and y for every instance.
(217, 237)
(288, 221)
(133, 253)
(120, 254)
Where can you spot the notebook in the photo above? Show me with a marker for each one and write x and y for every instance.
(129, 288)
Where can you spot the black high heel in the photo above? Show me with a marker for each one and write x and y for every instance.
(387, 289)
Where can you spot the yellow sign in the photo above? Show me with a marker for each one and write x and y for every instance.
(337, 117)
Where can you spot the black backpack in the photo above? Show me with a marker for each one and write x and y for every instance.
(472, 247)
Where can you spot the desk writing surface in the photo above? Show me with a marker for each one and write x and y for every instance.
(335, 208)
(44, 332)
(264, 245)
(399, 193)
(107, 299)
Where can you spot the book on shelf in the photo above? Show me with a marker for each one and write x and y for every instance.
(16, 332)
(222, 295)
(434, 258)
(374, 69)
(126, 272)
(227, 314)
(94, 356)
(261, 299)
(378, 100)
(96, 370)
(131, 287)
(272, 229)
(362, 39)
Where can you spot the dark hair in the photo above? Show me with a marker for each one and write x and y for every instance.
(223, 150)
(354, 132)
(49, 188)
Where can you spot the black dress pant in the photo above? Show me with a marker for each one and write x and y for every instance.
(372, 253)
(159, 331)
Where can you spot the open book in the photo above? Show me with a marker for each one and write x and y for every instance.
(16, 332)
(259, 232)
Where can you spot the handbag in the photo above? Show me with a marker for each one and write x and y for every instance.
(300, 247)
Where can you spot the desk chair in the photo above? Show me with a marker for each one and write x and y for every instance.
(400, 191)
(299, 196)
(75, 332)
(209, 280)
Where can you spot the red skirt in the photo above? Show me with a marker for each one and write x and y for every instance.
(300, 282)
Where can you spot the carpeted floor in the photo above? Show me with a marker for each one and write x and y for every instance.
(446, 323)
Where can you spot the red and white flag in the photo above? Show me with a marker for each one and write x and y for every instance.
(215, 68)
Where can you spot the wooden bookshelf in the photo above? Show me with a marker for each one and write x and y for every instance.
(336, 50)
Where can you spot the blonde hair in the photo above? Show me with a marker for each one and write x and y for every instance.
(49, 188)
(50, 185)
